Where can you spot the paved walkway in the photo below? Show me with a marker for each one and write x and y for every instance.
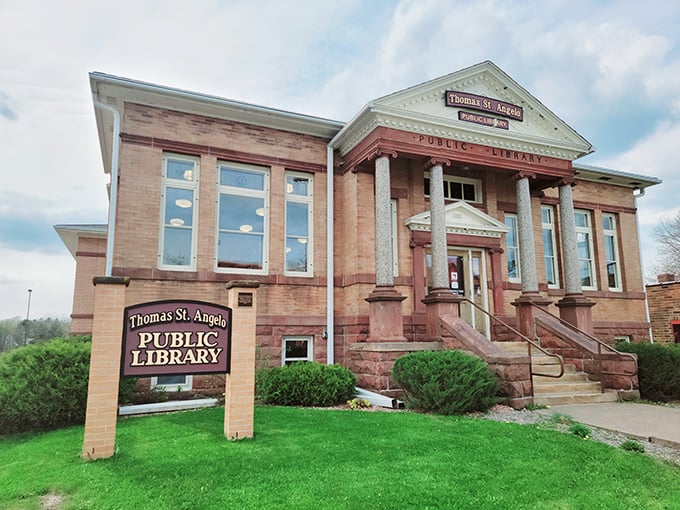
(654, 423)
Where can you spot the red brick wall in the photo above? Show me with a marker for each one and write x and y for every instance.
(664, 307)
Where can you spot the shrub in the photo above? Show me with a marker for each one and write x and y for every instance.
(446, 382)
(631, 445)
(658, 370)
(305, 384)
(580, 430)
(44, 386)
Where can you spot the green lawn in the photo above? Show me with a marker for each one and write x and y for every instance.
(307, 458)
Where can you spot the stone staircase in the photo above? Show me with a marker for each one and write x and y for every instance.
(571, 388)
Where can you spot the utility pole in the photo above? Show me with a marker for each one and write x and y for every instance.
(28, 313)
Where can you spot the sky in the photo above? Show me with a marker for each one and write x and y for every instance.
(608, 68)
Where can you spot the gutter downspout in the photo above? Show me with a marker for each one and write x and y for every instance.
(330, 284)
(641, 194)
(113, 192)
(330, 233)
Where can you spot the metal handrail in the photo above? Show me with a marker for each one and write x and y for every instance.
(529, 343)
(600, 343)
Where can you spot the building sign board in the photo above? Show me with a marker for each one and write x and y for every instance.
(485, 120)
(482, 103)
(176, 337)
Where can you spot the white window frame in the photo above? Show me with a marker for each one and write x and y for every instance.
(395, 243)
(612, 234)
(449, 179)
(621, 338)
(587, 231)
(190, 184)
(186, 386)
(232, 190)
(515, 230)
(300, 199)
(549, 226)
(310, 348)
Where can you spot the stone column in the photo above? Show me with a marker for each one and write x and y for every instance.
(525, 227)
(384, 273)
(575, 308)
(572, 278)
(440, 278)
(386, 322)
(440, 301)
(524, 305)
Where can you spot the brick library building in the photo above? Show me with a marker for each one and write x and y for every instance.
(450, 215)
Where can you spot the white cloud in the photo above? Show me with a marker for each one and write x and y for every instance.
(46, 274)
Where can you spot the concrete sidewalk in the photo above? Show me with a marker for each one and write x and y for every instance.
(655, 423)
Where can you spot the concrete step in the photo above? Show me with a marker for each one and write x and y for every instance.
(569, 376)
(560, 386)
(585, 398)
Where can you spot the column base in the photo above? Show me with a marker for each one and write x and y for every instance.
(576, 309)
(526, 309)
(439, 302)
(386, 322)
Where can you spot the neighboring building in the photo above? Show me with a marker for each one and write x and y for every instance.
(211, 190)
(663, 299)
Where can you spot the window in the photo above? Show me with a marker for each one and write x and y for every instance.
(242, 218)
(299, 215)
(611, 251)
(179, 200)
(621, 338)
(297, 348)
(549, 245)
(584, 245)
(512, 248)
(172, 382)
(458, 188)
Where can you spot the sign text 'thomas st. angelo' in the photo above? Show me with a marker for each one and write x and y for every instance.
(176, 337)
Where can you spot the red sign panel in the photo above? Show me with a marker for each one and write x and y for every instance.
(484, 120)
(485, 104)
(175, 338)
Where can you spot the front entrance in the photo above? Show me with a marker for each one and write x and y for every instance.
(467, 278)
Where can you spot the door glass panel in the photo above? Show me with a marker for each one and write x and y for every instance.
(466, 279)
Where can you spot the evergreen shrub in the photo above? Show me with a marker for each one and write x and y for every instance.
(305, 384)
(44, 386)
(446, 382)
(658, 370)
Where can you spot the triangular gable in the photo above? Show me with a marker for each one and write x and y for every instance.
(461, 218)
(422, 109)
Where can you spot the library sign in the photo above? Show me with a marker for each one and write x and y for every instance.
(176, 337)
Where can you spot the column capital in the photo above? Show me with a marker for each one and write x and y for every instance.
(380, 153)
(566, 181)
(522, 174)
(429, 163)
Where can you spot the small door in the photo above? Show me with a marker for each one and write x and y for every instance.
(467, 278)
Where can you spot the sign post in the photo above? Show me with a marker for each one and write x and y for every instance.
(102, 389)
(239, 391)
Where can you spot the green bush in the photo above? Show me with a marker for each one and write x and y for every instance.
(580, 430)
(658, 370)
(44, 386)
(446, 382)
(630, 445)
(305, 384)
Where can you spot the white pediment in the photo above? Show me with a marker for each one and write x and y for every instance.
(422, 109)
(461, 218)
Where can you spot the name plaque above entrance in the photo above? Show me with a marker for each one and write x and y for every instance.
(176, 337)
(482, 103)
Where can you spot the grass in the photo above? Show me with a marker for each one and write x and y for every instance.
(309, 458)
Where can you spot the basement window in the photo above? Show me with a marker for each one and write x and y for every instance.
(295, 349)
